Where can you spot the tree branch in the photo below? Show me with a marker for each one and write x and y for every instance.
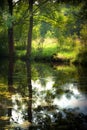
(40, 6)
(23, 17)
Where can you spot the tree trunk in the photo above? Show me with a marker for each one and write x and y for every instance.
(29, 42)
(10, 31)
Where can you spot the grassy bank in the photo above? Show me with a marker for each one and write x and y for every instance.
(51, 50)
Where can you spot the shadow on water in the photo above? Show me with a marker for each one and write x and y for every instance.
(38, 96)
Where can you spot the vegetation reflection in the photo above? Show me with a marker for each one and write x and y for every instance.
(42, 96)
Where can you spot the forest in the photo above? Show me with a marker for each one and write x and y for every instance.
(48, 30)
(43, 64)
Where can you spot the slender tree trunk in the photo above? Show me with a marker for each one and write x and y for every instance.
(10, 31)
(29, 42)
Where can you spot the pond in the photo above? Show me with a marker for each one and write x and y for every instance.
(42, 96)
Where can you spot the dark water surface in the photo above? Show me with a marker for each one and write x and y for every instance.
(41, 96)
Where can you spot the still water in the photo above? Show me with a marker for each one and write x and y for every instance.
(41, 96)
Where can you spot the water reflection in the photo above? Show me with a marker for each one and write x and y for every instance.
(28, 64)
(5, 102)
(40, 97)
(10, 85)
(22, 106)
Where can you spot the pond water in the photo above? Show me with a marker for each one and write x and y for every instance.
(42, 96)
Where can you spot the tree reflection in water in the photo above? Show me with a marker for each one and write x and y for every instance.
(50, 101)
(6, 104)
(28, 65)
(10, 84)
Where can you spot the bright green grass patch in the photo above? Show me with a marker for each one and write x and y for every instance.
(44, 52)
(67, 55)
(45, 49)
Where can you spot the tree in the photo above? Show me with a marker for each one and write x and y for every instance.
(30, 27)
(7, 6)
(43, 7)
(10, 30)
(31, 13)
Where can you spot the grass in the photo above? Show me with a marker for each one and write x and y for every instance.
(45, 50)
(50, 50)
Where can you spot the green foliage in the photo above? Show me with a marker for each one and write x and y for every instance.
(3, 35)
(82, 56)
(21, 12)
(83, 34)
(83, 12)
(52, 19)
(36, 31)
(3, 44)
(44, 28)
(8, 20)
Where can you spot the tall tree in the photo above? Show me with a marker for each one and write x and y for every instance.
(10, 30)
(30, 28)
(31, 12)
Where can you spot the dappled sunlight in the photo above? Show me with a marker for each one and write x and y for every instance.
(54, 92)
(4, 118)
(40, 91)
(43, 57)
(18, 107)
(77, 99)
(49, 84)
(65, 68)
